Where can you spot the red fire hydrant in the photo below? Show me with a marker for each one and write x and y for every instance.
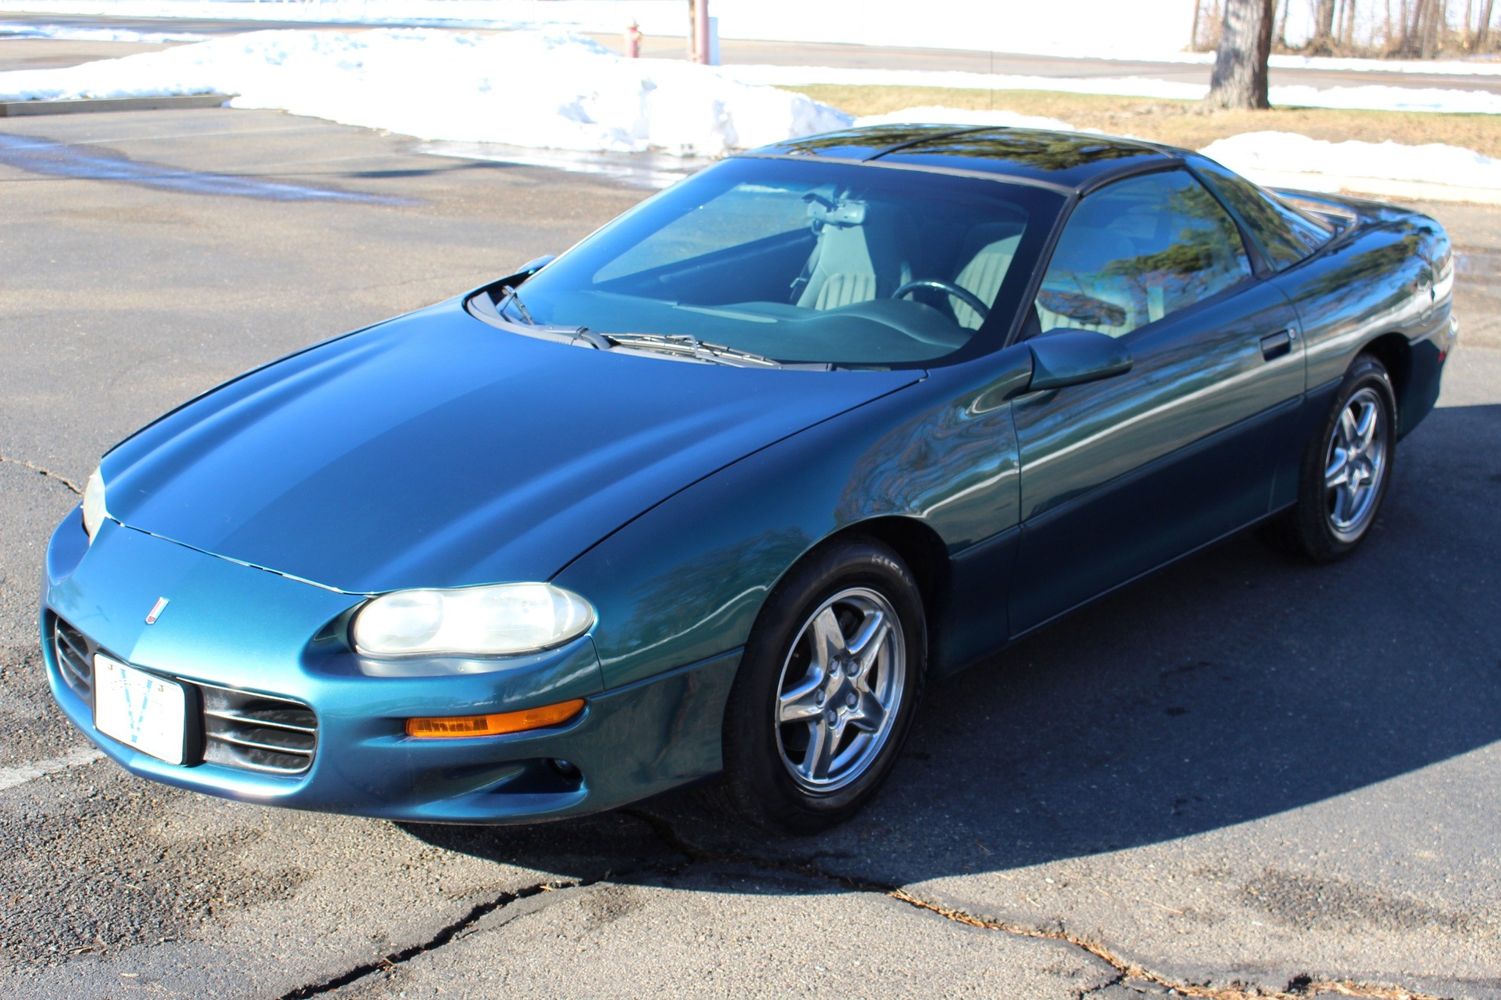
(633, 41)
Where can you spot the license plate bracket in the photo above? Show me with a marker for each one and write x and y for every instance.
(141, 709)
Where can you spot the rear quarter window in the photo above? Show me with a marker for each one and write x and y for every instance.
(1284, 234)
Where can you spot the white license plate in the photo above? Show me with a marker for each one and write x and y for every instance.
(140, 709)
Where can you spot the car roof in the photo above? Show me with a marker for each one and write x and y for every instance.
(1068, 160)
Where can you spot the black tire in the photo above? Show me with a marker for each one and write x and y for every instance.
(759, 780)
(1311, 526)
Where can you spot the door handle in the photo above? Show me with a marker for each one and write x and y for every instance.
(1274, 345)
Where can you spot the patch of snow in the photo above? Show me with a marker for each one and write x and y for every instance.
(1379, 98)
(1364, 97)
(1427, 67)
(525, 88)
(1125, 86)
(1351, 164)
(9, 30)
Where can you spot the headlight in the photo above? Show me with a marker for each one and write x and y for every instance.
(93, 504)
(502, 620)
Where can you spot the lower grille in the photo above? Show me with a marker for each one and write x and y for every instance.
(257, 732)
(75, 657)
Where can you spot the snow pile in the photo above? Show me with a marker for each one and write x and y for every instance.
(1293, 160)
(525, 88)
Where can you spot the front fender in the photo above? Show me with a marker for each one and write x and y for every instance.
(685, 580)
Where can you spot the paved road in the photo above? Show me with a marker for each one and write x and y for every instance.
(1243, 771)
(860, 56)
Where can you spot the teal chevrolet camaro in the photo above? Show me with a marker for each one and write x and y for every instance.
(713, 494)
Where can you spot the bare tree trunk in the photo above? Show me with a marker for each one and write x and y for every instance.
(1193, 33)
(1323, 27)
(1430, 29)
(1207, 17)
(1240, 72)
(1285, 5)
(1347, 37)
(1482, 35)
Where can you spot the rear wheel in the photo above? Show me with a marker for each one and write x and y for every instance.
(1347, 467)
(827, 690)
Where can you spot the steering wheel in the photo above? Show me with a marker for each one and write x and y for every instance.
(964, 295)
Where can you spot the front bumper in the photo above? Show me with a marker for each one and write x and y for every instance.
(232, 626)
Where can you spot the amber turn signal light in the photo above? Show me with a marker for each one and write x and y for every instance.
(464, 726)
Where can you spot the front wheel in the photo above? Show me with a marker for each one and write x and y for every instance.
(827, 690)
(1346, 468)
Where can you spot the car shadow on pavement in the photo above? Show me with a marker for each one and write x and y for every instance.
(1236, 685)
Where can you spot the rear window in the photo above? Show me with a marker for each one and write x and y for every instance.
(1285, 234)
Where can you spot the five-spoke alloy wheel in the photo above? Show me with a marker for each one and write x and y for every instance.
(840, 689)
(1355, 464)
(827, 689)
(1346, 468)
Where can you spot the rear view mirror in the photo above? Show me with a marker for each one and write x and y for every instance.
(1062, 358)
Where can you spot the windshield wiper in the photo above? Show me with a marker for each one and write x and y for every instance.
(510, 295)
(690, 346)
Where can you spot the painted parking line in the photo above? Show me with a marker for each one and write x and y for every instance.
(60, 159)
(12, 777)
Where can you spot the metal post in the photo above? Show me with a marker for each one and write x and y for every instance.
(701, 30)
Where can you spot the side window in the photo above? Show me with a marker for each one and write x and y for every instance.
(1138, 250)
(1286, 234)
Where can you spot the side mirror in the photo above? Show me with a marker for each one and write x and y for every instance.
(1073, 357)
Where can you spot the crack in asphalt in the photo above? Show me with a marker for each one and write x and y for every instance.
(48, 473)
(1126, 972)
(1300, 987)
(444, 935)
(1116, 980)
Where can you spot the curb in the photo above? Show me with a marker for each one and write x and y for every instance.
(93, 105)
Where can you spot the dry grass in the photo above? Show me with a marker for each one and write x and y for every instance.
(1177, 123)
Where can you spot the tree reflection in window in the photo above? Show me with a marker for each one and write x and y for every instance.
(1137, 251)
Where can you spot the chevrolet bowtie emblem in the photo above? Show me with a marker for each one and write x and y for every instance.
(156, 610)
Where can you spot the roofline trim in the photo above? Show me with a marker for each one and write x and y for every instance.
(984, 175)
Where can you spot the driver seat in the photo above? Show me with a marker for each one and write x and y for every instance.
(858, 257)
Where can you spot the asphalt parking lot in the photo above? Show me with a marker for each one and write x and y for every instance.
(1244, 774)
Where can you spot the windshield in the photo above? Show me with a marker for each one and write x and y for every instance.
(806, 262)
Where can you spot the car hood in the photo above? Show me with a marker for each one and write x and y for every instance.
(435, 450)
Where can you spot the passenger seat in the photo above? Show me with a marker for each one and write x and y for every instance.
(988, 251)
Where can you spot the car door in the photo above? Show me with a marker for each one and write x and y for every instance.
(1124, 474)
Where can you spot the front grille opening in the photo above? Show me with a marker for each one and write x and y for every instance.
(75, 657)
(257, 732)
